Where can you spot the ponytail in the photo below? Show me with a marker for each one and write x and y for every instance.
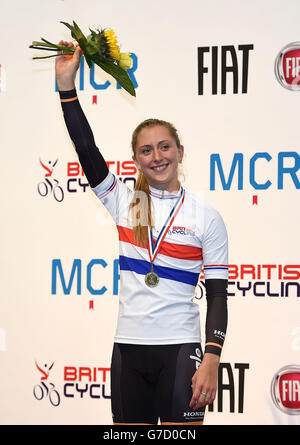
(140, 207)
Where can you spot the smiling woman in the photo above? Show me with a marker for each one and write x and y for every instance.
(158, 370)
(156, 151)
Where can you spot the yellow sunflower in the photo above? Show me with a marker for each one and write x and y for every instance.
(111, 39)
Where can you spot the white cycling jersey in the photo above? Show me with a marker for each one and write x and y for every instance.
(196, 239)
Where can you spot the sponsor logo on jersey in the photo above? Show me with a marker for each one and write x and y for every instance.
(193, 414)
(197, 357)
(179, 230)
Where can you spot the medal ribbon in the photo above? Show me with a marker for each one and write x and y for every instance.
(153, 250)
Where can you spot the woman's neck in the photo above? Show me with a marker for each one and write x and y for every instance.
(173, 187)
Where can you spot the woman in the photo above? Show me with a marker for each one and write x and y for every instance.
(166, 235)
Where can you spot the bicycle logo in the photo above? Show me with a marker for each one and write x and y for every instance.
(46, 186)
(197, 357)
(43, 390)
(199, 292)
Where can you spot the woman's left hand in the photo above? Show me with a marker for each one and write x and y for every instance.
(204, 382)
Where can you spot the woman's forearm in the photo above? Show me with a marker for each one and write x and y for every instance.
(91, 160)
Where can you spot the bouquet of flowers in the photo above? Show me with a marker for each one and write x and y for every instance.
(99, 47)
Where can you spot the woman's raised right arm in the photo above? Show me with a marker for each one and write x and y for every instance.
(91, 160)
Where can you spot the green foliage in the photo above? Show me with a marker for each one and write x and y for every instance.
(95, 49)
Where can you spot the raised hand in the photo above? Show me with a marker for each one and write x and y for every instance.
(66, 67)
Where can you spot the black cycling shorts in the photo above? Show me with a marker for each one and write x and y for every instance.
(151, 382)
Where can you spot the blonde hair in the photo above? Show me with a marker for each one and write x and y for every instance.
(142, 218)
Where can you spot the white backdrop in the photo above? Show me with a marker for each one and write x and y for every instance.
(56, 332)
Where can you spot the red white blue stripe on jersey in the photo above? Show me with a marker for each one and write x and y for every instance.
(162, 195)
(109, 189)
(180, 251)
(143, 267)
(215, 266)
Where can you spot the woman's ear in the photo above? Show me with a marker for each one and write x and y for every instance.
(181, 152)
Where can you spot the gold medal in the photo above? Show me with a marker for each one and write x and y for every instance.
(151, 279)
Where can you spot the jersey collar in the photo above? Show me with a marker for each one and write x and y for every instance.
(164, 194)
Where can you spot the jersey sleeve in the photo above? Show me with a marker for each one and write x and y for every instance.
(215, 246)
(215, 265)
(116, 197)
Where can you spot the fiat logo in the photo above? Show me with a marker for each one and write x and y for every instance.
(285, 389)
(287, 66)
